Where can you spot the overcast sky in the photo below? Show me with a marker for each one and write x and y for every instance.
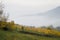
(19, 9)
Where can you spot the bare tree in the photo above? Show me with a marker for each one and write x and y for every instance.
(3, 17)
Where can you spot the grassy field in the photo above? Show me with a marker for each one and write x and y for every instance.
(8, 35)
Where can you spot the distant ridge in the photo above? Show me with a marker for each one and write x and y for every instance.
(53, 13)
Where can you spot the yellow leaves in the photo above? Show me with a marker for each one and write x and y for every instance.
(57, 33)
(44, 31)
(12, 26)
(2, 24)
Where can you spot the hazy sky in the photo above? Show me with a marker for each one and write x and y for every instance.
(19, 9)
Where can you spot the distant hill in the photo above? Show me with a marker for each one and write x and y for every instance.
(53, 13)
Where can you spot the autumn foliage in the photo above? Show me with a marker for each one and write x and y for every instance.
(16, 27)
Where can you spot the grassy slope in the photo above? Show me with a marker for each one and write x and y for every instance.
(7, 35)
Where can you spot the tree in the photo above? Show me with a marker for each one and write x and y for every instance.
(3, 16)
(11, 26)
(50, 27)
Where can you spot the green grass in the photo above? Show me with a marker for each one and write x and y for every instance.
(8, 35)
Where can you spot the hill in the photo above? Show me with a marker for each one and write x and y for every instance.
(8, 35)
(52, 13)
